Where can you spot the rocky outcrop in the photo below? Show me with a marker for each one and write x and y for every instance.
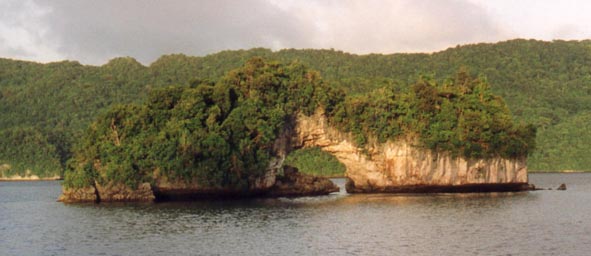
(395, 166)
(289, 183)
(167, 188)
(164, 189)
(112, 192)
(117, 192)
(401, 166)
(78, 195)
(294, 183)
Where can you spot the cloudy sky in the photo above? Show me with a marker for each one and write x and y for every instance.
(93, 32)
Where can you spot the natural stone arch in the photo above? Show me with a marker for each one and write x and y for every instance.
(395, 166)
(399, 166)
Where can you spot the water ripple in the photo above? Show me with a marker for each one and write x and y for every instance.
(527, 223)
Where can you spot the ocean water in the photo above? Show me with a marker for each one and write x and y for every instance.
(547, 222)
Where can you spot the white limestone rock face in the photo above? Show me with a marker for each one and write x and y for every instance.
(400, 166)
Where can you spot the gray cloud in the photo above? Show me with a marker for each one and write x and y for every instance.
(404, 25)
(95, 31)
(23, 32)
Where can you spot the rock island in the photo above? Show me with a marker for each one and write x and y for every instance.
(229, 138)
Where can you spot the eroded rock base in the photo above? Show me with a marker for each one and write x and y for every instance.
(466, 188)
(79, 195)
(202, 194)
(292, 183)
(122, 193)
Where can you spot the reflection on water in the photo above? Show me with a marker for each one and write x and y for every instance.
(540, 222)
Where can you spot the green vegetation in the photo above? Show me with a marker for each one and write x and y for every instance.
(34, 152)
(58, 101)
(224, 133)
(460, 116)
(544, 83)
(315, 161)
(565, 146)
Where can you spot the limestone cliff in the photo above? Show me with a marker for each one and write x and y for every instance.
(400, 166)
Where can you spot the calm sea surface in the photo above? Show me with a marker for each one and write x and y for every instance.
(525, 223)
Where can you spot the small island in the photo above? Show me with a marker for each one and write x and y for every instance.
(230, 138)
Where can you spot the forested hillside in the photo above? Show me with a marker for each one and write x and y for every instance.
(46, 108)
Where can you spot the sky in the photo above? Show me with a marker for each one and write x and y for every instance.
(93, 32)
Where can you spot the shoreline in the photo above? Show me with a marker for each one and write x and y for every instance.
(34, 178)
(536, 172)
